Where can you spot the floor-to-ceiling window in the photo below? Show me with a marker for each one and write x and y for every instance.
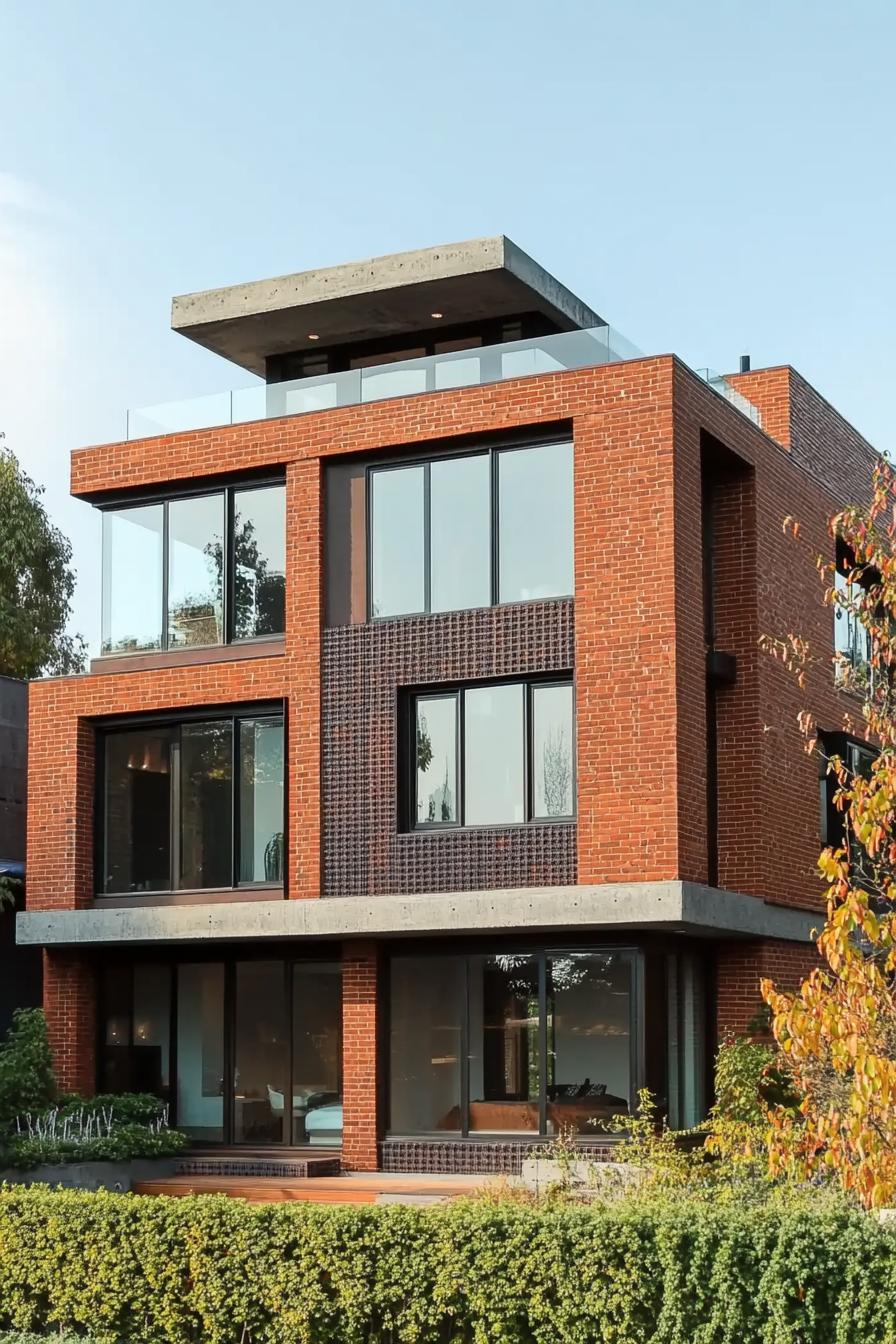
(260, 1052)
(540, 1041)
(199, 1045)
(504, 1043)
(427, 999)
(246, 1051)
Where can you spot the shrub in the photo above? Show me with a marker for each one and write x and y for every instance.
(131, 1108)
(26, 1067)
(18, 1337)
(36, 1129)
(126, 1143)
(161, 1271)
(93, 1131)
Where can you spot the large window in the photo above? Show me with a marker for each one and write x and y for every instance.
(245, 1051)
(192, 806)
(199, 570)
(492, 755)
(471, 531)
(513, 1043)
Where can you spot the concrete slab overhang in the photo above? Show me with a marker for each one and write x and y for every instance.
(675, 907)
(381, 296)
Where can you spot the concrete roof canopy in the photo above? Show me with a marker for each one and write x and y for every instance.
(378, 297)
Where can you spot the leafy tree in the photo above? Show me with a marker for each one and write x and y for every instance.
(36, 582)
(838, 1031)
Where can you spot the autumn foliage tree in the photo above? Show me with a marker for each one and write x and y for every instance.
(838, 1031)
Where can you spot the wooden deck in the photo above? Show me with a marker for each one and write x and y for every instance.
(372, 1188)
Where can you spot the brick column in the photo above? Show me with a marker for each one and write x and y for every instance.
(361, 1106)
(70, 1008)
(303, 643)
(626, 692)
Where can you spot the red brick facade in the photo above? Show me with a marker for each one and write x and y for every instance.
(70, 1006)
(648, 436)
(361, 1031)
(739, 969)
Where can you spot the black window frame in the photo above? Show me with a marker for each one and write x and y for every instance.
(493, 452)
(408, 753)
(235, 716)
(852, 751)
(228, 595)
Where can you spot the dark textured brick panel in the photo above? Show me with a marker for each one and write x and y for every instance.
(461, 1157)
(365, 668)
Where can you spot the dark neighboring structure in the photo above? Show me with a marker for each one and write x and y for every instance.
(20, 980)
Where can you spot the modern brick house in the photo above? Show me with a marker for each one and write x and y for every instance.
(431, 793)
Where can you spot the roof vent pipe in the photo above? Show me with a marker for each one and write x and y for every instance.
(745, 364)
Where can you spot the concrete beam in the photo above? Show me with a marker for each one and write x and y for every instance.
(381, 296)
(677, 907)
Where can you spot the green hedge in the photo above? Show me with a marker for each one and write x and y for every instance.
(212, 1270)
(26, 1337)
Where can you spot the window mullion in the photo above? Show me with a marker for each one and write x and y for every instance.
(542, 1043)
(528, 753)
(174, 765)
(460, 754)
(495, 523)
(465, 1052)
(235, 768)
(228, 576)
(164, 631)
(427, 537)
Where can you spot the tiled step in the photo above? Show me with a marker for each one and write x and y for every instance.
(278, 1168)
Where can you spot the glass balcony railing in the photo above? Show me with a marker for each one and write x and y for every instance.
(406, 378)
(724, 389)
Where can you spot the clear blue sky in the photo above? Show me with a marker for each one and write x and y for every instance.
(712, 177)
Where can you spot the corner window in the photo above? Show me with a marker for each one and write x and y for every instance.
(192, 806)
(493, 755)
(195, 571)
(472, 531)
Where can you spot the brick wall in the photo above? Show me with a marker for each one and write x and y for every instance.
(626, 721)
(769, 809)
(70, 1007)
(361, 1029)
(739, 969)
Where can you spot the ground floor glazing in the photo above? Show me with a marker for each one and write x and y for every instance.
(486, 1040)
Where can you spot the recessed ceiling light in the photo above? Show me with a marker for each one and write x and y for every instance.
(436, 314)
(313, 336)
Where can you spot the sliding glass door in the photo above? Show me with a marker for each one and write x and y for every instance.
(246, 1052)
(199, 1047)
(515, 1043)
(260, 1052)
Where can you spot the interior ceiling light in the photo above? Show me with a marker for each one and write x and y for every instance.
(313, 336)
(436, 314)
